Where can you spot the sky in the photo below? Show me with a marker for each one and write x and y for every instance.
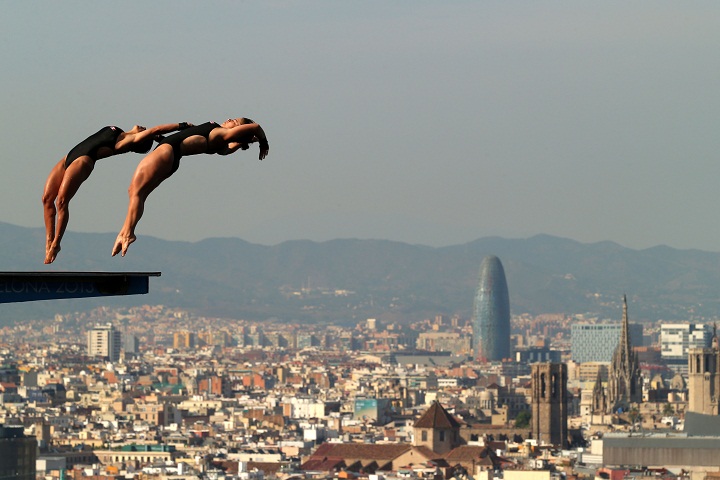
(425, 122)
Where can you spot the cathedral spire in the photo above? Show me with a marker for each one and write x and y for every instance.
(624, 382)
(625, 334)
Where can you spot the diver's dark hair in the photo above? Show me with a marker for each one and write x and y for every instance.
(142, 147)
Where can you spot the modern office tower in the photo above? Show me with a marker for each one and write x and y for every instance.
(221, 338)
(591, 342)
(277, 339)
(306, 340)
(549, 403)
(18, 453)
(676, 339)
(624, 380)
(704, 378)
(255, 338)
(491, 313)
(105, 341)
(131, 344)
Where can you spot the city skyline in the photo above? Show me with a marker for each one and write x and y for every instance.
(298, 404)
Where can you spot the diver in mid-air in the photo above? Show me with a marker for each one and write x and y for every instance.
(70, 172)
(211, 138)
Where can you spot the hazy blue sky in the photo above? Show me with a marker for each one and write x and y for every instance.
(425, 122)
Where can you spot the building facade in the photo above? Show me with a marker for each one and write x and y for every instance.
(453, 342)
(597, 342)
(537, 355)
(676, 339)
(491, 313)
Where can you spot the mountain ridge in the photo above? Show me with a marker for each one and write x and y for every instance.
(296, 280)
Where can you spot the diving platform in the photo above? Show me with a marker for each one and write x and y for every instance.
(33, 286)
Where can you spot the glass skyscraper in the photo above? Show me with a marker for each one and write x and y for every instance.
(491, 313)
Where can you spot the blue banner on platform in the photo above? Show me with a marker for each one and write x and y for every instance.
(28, 287)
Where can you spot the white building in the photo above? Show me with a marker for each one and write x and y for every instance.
(303, 408)
(677, 338)
(104, 341)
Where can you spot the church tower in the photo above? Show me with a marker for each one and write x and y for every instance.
(624, 380)
(704, 378)
(437, 430)
(549, 403)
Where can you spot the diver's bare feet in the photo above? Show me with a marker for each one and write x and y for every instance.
(51, 253)
(122, 242)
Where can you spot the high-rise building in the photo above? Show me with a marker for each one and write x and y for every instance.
(306, 340)
(18, 453)
(131, 344)
(596, 342)
(676, 339)
(184, 339)
(491, 313)
(104, 341)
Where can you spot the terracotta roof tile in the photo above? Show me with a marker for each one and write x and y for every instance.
(472, 453)
(323, 464)
(360, 451)
(427, 452)
(268, 468)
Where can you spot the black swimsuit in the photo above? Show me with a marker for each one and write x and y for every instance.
(175, 140)
(106, 137)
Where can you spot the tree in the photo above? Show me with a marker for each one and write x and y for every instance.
(523, 419)
(668, 410)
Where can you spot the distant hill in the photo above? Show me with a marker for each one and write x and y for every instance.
(350, 280)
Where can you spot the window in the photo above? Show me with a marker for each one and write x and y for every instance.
(424, 435)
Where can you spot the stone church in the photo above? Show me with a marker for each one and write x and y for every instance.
(624, 379)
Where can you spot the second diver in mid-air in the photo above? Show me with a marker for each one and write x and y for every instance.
(210, 138)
